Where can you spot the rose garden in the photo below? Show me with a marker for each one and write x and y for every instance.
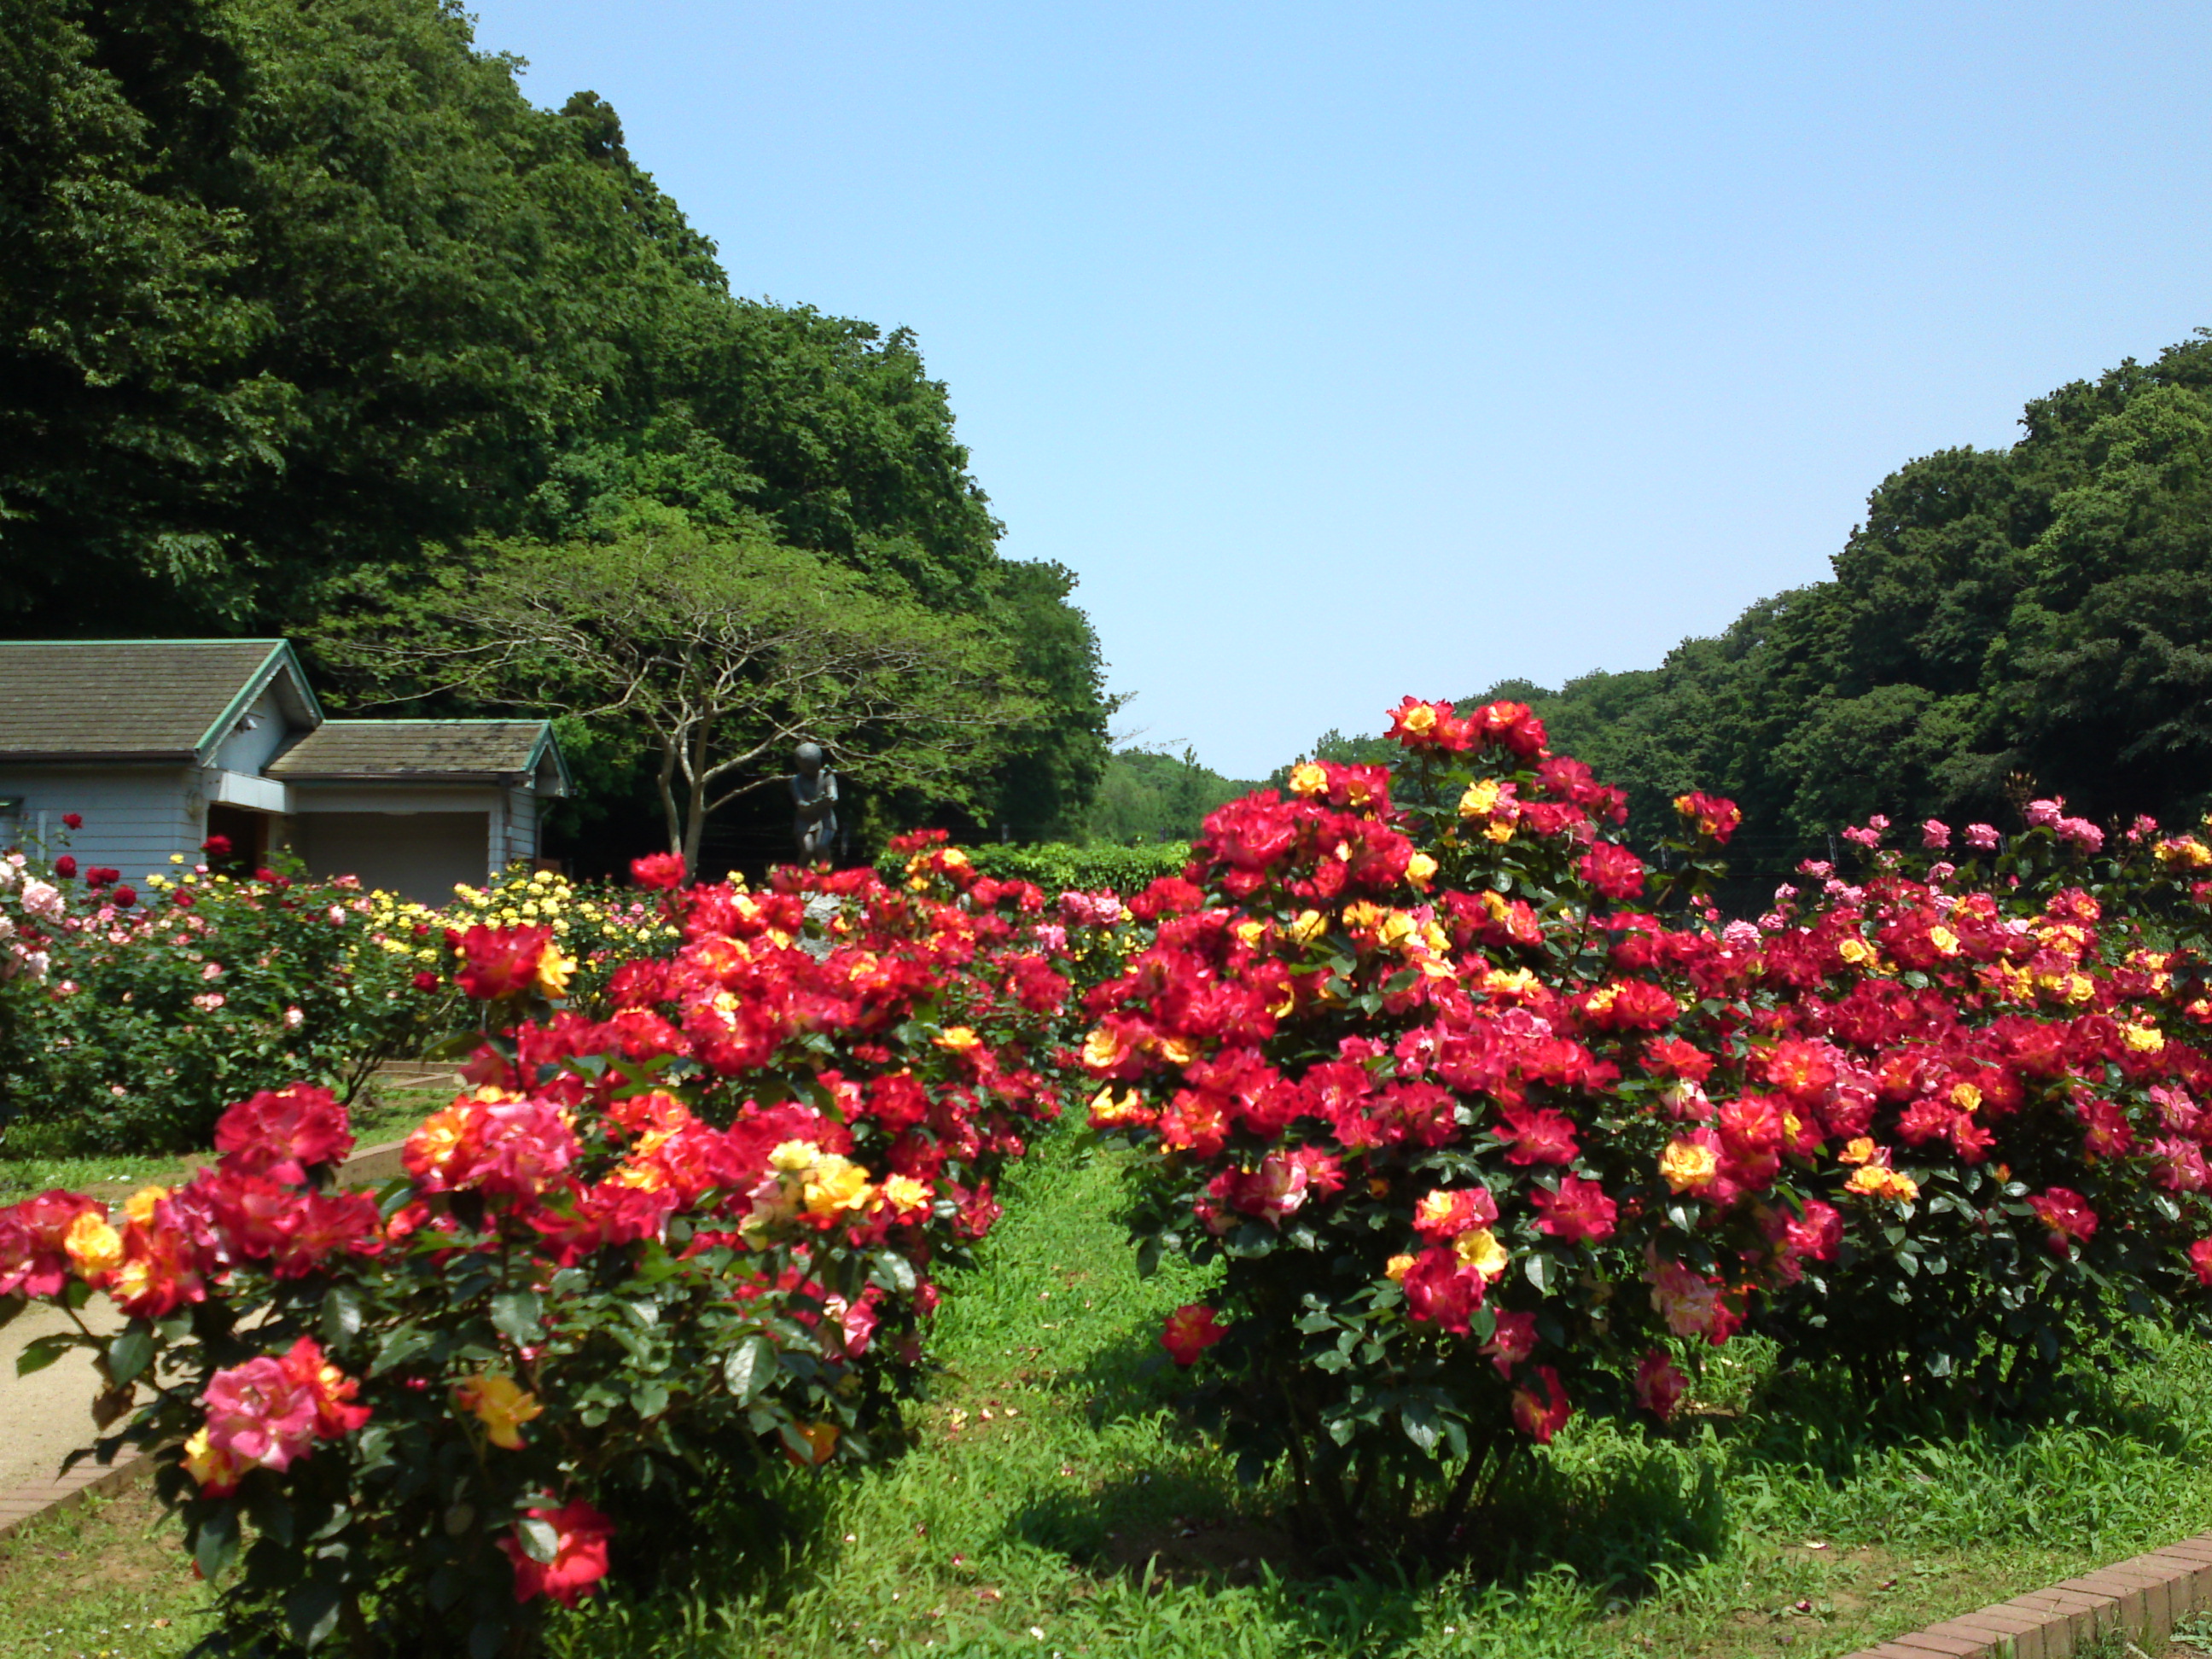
(1509, 1231)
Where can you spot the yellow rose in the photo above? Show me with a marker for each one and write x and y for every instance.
(1420, 871)
(794, 1157)
(958, 1039)
(553, 970)
(1308, 780)
(1688, 1165)
(1480, 1250)
(207, 1465)
(1398, 1267)
(139, 1206)
(500, 1404)
(2143, 1039)
(1481, 798)
(93, 1247)
(835, 1184)
(1945, 941)
(1103, 1049)
(904, 1193)
(1966, 1097)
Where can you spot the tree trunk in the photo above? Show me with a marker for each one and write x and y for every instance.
(667, 784)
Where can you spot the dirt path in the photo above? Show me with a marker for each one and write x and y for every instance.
(48, 1414)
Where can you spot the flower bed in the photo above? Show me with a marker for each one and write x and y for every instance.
(643, 1253)
(1485, 1121)
(1490, 1121)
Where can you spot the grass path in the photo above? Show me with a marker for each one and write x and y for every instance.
(1053, 1505)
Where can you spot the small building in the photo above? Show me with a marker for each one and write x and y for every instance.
(160, 743)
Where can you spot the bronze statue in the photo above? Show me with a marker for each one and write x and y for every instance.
(814, 792)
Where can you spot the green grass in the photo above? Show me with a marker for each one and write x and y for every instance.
(1086, 1520)
(1079, 1516)
(377, 1115)
(103, 1577)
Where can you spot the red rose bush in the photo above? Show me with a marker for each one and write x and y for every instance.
(2009, 1059)
(1434, 1083)
(635, 1257)
(1490, 1122)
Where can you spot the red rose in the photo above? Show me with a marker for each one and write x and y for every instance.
(1613, 870)
(1190, 1330)
(658, 870)
(1540, 1417)
(279, 1132)
(580, 1554)
(499, 962)
(75, 820)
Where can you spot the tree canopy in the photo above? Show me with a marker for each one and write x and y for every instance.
(308, 303)
(2032, 620)
(714, 657)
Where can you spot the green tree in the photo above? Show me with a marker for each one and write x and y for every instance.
(717, 656)
(307, 302)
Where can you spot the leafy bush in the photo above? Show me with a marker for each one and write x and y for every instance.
(2010, 1045)
(155, 1008)
(1060, 866)
(643, 1256)
(1413, 1076)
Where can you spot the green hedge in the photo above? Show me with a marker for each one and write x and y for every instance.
(1057, 865)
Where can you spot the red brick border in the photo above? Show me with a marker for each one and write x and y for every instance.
(30, 1502)
(2144, 1597)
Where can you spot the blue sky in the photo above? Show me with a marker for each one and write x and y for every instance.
(1350, 351)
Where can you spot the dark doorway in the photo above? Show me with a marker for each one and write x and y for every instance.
(247, 832)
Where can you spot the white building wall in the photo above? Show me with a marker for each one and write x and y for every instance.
(420, 855)
(522, 839)
(247, 752)
(134, 816)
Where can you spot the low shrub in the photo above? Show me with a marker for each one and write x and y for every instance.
(154, 1008)
(1061, 866)
(644, 1255)
(2010, 1044)
(598, 927)
(1417, 1077)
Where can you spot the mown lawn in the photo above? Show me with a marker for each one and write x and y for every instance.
(1054, 1505)
(378, 1115)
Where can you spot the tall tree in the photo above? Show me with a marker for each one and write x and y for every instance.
(306, 301)
(718, 656)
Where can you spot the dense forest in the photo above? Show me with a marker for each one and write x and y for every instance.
(2031, 620)
(1148, 796)
(310, 317)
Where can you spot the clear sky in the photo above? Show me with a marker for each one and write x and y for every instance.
(1346, 351)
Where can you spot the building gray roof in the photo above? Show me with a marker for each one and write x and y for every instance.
(132, 699)
(413, 749)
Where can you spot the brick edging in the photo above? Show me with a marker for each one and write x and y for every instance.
(38, 1498)
(2141, 1598)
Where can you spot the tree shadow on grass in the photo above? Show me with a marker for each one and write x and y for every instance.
(1617, 1513)
(1817, 1421)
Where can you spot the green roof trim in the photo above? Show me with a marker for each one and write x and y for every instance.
(280, 658)
(137, 699)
